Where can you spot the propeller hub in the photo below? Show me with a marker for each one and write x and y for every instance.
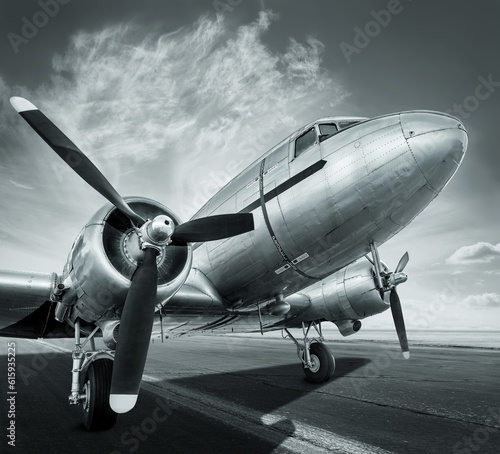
(397, 278)
(160, 229)
(156, 233)
(133, 248)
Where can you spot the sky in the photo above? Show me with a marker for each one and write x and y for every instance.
(172, 99)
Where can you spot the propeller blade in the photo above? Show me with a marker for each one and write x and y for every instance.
(72, 155)
(213, 228)
(397, 315)
(403, 261)
(134, 335)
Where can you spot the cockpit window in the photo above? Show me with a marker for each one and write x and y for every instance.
(346, 123)
(327, 130)
(305, 141)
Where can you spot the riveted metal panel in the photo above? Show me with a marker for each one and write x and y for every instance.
(416, 203)
(22, 292)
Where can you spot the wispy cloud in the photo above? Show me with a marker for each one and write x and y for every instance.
(189, 92)
(186, 111)
(483, 300)
(19, 185)
(204, 97)
(476, 253)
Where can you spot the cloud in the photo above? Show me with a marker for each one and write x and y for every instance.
(201, 102)
(19, 185)
(184, 111)
(476, 253)
(194, 91)
(483, 300)
(492, 272)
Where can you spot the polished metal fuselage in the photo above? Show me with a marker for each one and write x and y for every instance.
(362, 185)
(23, 292)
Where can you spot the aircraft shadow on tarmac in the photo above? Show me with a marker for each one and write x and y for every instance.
(265, 389)
(43, 382)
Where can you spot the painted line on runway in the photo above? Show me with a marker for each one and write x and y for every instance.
(53, 347)
(294, 436)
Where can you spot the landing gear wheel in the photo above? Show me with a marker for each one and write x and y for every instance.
(323, 364)
(97, 414)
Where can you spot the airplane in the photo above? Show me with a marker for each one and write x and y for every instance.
(290, 242)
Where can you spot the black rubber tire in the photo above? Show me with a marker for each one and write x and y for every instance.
(97, 414)
(324, 364)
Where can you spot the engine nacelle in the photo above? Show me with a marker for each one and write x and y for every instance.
(345, 297)
(104, 258)
(351, 293)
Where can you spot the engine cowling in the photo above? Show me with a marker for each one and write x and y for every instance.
(345, 297)
(104, 258)
(351, 293)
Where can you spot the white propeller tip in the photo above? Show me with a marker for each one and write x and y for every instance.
(122, 403)
(21, 104)
(406, 355)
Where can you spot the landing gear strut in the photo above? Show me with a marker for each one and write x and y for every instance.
(93, 395)
(317, 361)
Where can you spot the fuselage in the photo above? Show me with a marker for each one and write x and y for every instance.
(319, 201)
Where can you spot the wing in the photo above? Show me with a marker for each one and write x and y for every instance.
(198, 307)
(25, 306)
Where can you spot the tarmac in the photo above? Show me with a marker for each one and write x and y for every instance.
(229, 394)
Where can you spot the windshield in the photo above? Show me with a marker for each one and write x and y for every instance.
(327, 130)
(346, 123)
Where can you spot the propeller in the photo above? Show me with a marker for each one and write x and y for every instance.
(203, 229)
(153, 235)
(403, 261)
(399, 323)
(134, 335)
(387, 280)
(72, 155)
(213, 227)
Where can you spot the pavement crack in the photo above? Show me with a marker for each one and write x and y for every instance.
(417, 412)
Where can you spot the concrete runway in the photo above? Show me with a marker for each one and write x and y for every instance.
(240, 395)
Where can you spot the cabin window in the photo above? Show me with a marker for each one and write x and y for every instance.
(327, 130)
(305, 141)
